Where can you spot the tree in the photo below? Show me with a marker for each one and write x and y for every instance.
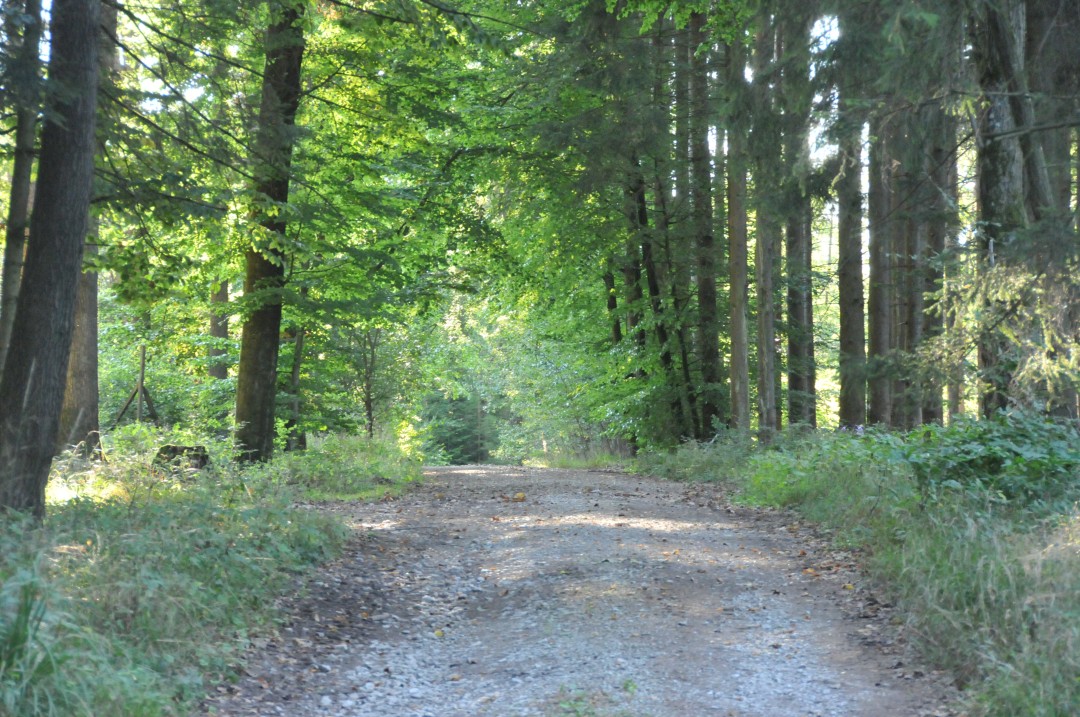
(256, 389)
(32, 386)
(24, 90)
(79, 419)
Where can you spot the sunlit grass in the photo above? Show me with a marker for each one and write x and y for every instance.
(144, 584)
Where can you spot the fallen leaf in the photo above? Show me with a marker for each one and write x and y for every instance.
(518, 497)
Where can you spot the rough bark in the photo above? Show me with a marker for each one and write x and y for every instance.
(80, 416)
(849, 200)
(1001, 197)
(219, 331)
(737, 253)
(767, 159)
(706, 247)
(879, 301)
(25, 73)
(32, 387)
(796, 99)
(256, 388)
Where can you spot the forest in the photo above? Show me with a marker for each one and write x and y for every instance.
(722, 237)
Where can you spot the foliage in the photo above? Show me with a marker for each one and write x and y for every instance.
(141, 586)
(1022, 456)
(989, 584)
(345, 468)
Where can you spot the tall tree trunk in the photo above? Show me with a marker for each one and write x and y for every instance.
(796, 97)
(24, 73)
(737, 250)
(879, 302)
(79, 418)
(707, 255)
(256, 388)
(219, 331)
(32, 386)
(850, 277)
(940, 226)
(767, 159)
(1001, 197)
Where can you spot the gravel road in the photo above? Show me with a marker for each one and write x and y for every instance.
(504, 591)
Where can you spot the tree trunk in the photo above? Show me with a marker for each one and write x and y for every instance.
(79, 418)
(708, 317)
(879, 303)
(767, 161)
(219, 331)
(737, 251)
(256, 388)
(1001, 197)
(796, 98)
(25, 73)
(849, 200)
(612, 303)
(32, 387)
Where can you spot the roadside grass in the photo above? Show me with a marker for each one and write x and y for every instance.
(594, 460)
(976, 540)
(144, 586)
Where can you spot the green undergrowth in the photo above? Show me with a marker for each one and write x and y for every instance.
(143, 585)
(348, 468)
(574, 461)
(973, 530)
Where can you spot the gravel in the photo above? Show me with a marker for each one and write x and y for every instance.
(514, 592)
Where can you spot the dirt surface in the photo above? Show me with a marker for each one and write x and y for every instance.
(507, 591)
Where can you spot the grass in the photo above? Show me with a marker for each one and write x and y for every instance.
(988, 577)
(142, 588)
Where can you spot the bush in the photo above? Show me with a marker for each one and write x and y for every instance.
(1020, 456)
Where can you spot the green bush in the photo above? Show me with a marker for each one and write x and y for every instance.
(1021, 456)
(347, 468)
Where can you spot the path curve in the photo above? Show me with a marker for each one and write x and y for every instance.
(503, 591)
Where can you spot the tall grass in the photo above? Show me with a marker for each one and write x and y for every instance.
(143, 586)
(986, 567)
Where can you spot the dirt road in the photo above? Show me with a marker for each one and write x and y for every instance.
(505, 591)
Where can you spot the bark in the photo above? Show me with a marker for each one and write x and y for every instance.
(941, 228)
(879, 301)
(219, 331)
(612, 304)
(800, 323)
(80, 416)
(32, 387)
(25, 69)
(737, 254)
(297, 437)
(850, 278)
(256, 388)
(767, 159)
(1001, 197)
(706, 248)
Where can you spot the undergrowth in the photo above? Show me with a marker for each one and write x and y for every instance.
(144, 585)
(973, 530)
